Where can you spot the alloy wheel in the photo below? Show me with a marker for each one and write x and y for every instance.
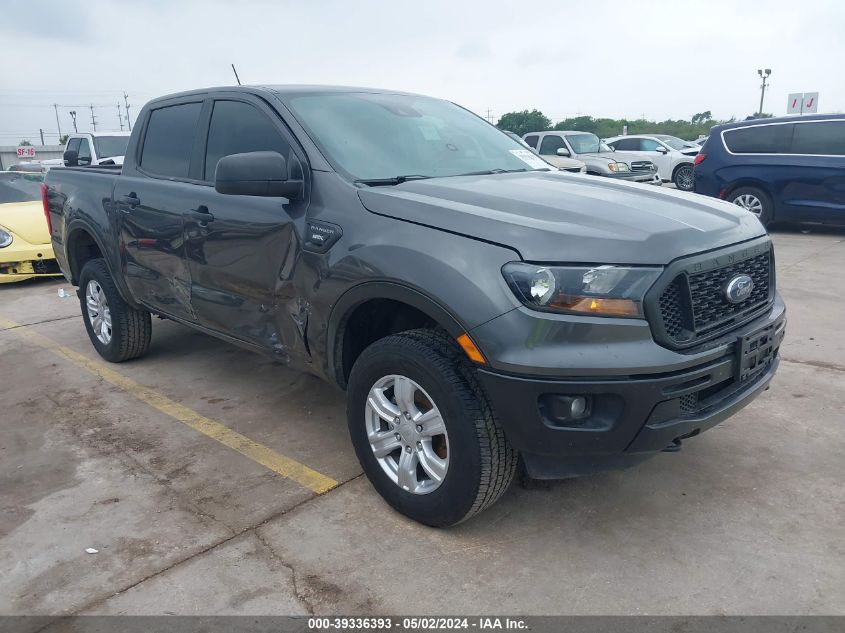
(407, 434)
(685, 179)
(749, 203)
(99, 315)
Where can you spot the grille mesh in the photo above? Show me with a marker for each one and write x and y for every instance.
(695, 305)
(709, 305)
(689, 403)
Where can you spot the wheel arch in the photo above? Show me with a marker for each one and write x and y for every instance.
(82, 244)
(379, 295)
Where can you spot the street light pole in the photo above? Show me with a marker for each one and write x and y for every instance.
(764, 74)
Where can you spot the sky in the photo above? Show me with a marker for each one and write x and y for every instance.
(653, 58)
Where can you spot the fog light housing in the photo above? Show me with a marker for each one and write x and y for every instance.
(561, 409)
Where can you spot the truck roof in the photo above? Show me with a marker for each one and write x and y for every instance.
(280, 90)
(78, 134)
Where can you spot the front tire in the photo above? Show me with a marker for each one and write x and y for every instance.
(424, 431)
(117, 331)
(684, 178)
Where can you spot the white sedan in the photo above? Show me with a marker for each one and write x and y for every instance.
(672, 156)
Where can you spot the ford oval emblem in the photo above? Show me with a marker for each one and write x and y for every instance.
(739, 288)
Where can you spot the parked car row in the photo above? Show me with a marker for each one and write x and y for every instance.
(599, 158)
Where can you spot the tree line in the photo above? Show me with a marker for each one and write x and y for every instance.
(527, 121)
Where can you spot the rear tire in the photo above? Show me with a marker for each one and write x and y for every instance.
(754, 200)
(479, 462)
(117, 331)
(684, 178)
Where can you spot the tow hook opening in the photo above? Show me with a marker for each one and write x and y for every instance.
(675, 446)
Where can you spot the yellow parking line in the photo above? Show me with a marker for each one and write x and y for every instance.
(267, 457)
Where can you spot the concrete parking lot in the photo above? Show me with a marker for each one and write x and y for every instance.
(211, 481)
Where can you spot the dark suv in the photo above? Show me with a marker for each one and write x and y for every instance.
(475, 305)
(790, 169)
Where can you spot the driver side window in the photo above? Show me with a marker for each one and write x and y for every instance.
(84, 152)
(648, 145)
(236, 128)
(551, 144)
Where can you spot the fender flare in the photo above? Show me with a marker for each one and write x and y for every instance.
(366, 291)
(73, 228)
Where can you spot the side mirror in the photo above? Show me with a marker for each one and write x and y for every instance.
(71, 158)
(562, 151)
(255, 174)
(661, 149)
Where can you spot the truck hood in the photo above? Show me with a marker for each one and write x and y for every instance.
(559, 217)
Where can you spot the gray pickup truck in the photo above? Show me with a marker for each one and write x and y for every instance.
(477, 307)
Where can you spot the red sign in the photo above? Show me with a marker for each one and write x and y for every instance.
(26, 151)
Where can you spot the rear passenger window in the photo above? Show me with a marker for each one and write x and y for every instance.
(169, 140)
(236, 128)
(759, 139)
(532, 140)
(626, 144)
(820, 137)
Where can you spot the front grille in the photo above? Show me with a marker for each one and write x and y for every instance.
(642, 165)
(46, 266)
(694, 306)
(574, 170)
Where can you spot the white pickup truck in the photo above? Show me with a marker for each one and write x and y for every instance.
(95, 148)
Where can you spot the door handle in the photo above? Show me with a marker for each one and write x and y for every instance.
(201, 214)
(132, 200)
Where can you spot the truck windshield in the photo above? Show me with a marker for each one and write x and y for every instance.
(372, 136)
(16, 186)
(586, 143)
(110, 146)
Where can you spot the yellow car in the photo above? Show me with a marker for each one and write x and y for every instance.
(25, 249)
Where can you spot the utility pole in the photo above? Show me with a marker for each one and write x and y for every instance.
(126, 103)
(764, 73)
(489, 117)
(58, 125)
(119, 117)
(93, 118)
(42, 136)
(73, 118)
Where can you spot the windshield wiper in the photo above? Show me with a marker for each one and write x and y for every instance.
(490, 172)
(387, 182)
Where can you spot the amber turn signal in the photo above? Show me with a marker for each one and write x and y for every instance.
(470, 349)
(598, 306)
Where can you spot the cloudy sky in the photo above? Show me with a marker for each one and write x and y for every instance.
(661, 59)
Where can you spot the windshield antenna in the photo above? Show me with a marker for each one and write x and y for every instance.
(236, 74)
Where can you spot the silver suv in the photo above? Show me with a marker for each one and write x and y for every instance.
(601, 159)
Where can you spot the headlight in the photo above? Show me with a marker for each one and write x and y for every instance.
(617, 166)
(615, 291)
(5, 238)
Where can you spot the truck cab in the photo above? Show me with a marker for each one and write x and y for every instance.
(95, 148)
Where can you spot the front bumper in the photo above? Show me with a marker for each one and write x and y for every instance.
(635, 176)
(21, 261)
(631, 417)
